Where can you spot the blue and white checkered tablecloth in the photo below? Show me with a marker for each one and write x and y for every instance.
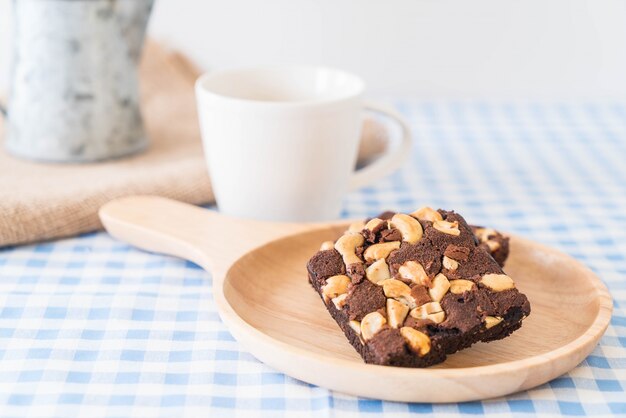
(90, 326)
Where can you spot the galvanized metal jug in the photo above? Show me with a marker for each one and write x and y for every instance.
(74, 94)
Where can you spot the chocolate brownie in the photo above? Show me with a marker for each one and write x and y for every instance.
(491, 240)
(494, 242)
(407, 290)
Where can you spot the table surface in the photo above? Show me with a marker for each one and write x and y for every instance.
(90, 326)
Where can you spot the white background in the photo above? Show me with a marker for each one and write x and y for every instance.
(431, 48)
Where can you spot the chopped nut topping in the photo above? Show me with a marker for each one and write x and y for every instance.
(450, 228)
(483, 234)
(449, 263)
(378, 271)
(346, 246)
(492, 321)
(373, 224)
(430, 310)
(427, 214)
(426, 309)
(396, 313)
(395, 288)
(493, 245)
(382, 250)
(371, 324)
(413, 271)
(437, 317)
(497, 282)
(356, 326)
(439, 287)
(459, 286)
(340, 301)
(417, 341)
(327, 245)
(335, 286)
(355, 227)
(410, 229)
(399, 291)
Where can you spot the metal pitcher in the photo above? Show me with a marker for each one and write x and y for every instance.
(74, 94)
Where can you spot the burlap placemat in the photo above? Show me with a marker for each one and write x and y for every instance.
(44, 201)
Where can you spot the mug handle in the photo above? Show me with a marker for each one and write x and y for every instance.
(395, 155)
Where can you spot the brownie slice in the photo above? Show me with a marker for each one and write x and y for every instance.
(491, 240)
(407, 290)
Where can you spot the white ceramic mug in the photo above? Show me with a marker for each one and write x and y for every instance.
(281, 142)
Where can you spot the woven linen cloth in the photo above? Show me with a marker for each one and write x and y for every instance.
(43, 201)
(90, 326)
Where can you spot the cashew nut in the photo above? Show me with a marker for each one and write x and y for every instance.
(483, 234)
(340, 301)
(399, 291)
(373, 224)
(378, 251)
(413, 271)
(449, 263)
(355, 227)
(395, 288)
(493, 245)
(492, 321)
(396, 313)
(430, 310)
(417, 341)
(335, 286)
(450, 228)
(378, 271)
(459, 286)
(497, 282)
(427, 214)
(439, 287)
(346, 246)
(356, 326)
(371, 324)
(410, 228)
(327, 245)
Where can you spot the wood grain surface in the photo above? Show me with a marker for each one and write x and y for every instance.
(262, 294)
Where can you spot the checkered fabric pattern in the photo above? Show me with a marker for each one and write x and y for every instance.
(92, 327)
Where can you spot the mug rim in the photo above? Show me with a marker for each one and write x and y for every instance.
(355, 92)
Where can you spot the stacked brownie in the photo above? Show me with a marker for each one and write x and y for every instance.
(409, 289)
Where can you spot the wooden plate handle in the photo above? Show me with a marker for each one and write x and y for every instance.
(200, 235)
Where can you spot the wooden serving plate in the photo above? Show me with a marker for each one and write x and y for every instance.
(262, 294)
